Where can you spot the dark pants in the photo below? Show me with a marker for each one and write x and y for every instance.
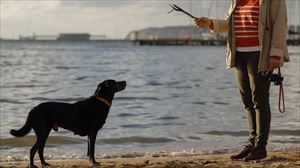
(254, 90)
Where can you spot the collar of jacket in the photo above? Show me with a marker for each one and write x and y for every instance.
(236, 1)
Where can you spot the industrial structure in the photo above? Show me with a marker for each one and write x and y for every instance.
(175, 35)
(64, 37)
(191, 35)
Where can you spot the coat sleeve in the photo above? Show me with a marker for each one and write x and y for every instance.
(279, 28)
(219, 26)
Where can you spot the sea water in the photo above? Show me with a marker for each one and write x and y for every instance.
(179, 100)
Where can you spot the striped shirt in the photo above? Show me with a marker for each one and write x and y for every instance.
(246, 17)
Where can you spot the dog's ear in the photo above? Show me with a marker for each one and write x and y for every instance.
(98, 90)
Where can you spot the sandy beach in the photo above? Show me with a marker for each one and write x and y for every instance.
(275, 160)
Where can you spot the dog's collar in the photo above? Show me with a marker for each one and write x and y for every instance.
(104, 101)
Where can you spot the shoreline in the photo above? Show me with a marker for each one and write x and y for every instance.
(276, 159)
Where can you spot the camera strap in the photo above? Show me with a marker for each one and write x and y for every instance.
(281, 97)
(281, 105)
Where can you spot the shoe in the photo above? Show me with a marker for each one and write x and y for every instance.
(258, 154)
(244, 153)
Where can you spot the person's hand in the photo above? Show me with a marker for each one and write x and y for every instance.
(275, 62)
(202, 22)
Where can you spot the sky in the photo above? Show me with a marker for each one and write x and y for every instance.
(113, 18)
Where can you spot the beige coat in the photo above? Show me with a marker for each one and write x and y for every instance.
(272, 32)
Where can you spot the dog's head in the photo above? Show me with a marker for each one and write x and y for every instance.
(109, 87)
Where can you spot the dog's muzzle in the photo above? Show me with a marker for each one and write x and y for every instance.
(120, 86)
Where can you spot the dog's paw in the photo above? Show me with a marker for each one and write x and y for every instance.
(32, 166)
(95, 164)
(45, 164)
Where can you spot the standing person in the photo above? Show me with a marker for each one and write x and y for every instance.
(256, 45)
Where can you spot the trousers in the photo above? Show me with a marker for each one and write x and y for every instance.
(254, 91)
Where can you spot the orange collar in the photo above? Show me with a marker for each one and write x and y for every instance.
(104, 101)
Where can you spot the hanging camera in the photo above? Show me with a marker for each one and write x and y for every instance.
(276, 78)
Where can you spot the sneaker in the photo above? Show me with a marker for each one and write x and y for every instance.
(258, 154)
(244, 153)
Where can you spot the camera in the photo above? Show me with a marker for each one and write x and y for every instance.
(276, 78)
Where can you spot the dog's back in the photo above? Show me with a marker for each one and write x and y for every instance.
(43, 117)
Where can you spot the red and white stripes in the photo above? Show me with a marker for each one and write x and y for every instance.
(246, 17)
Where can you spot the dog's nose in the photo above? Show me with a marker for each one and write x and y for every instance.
(124, 82)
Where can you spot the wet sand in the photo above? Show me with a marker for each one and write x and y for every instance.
(287, 159)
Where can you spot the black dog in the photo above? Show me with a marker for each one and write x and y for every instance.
(84, 118)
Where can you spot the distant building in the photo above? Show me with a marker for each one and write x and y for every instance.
(175, 35)
(74, 37)
(171, 33)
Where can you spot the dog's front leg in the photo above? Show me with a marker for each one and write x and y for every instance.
(91, 150)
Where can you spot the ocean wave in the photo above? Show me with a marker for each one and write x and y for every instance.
(29, 140)
(296, 141)
(199, 103)
(220, 103)
(127, 115)
(168, 118)
(136, 139)
(24, 86)
(82, 78)
(285, 132)
(154, 83)
(245, 133)
(150, 125)
(71, 99)
(55, 141)
(231, 133)
(139, 126)
(136, 98)
(12, 101)
(66, 67)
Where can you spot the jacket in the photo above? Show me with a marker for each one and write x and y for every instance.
(272, 32)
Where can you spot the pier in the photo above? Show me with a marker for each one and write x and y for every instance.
(179, 42)
(292, 40)
(191, 35)
(64, 37)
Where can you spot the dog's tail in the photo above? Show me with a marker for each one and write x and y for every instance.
(24, 130)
